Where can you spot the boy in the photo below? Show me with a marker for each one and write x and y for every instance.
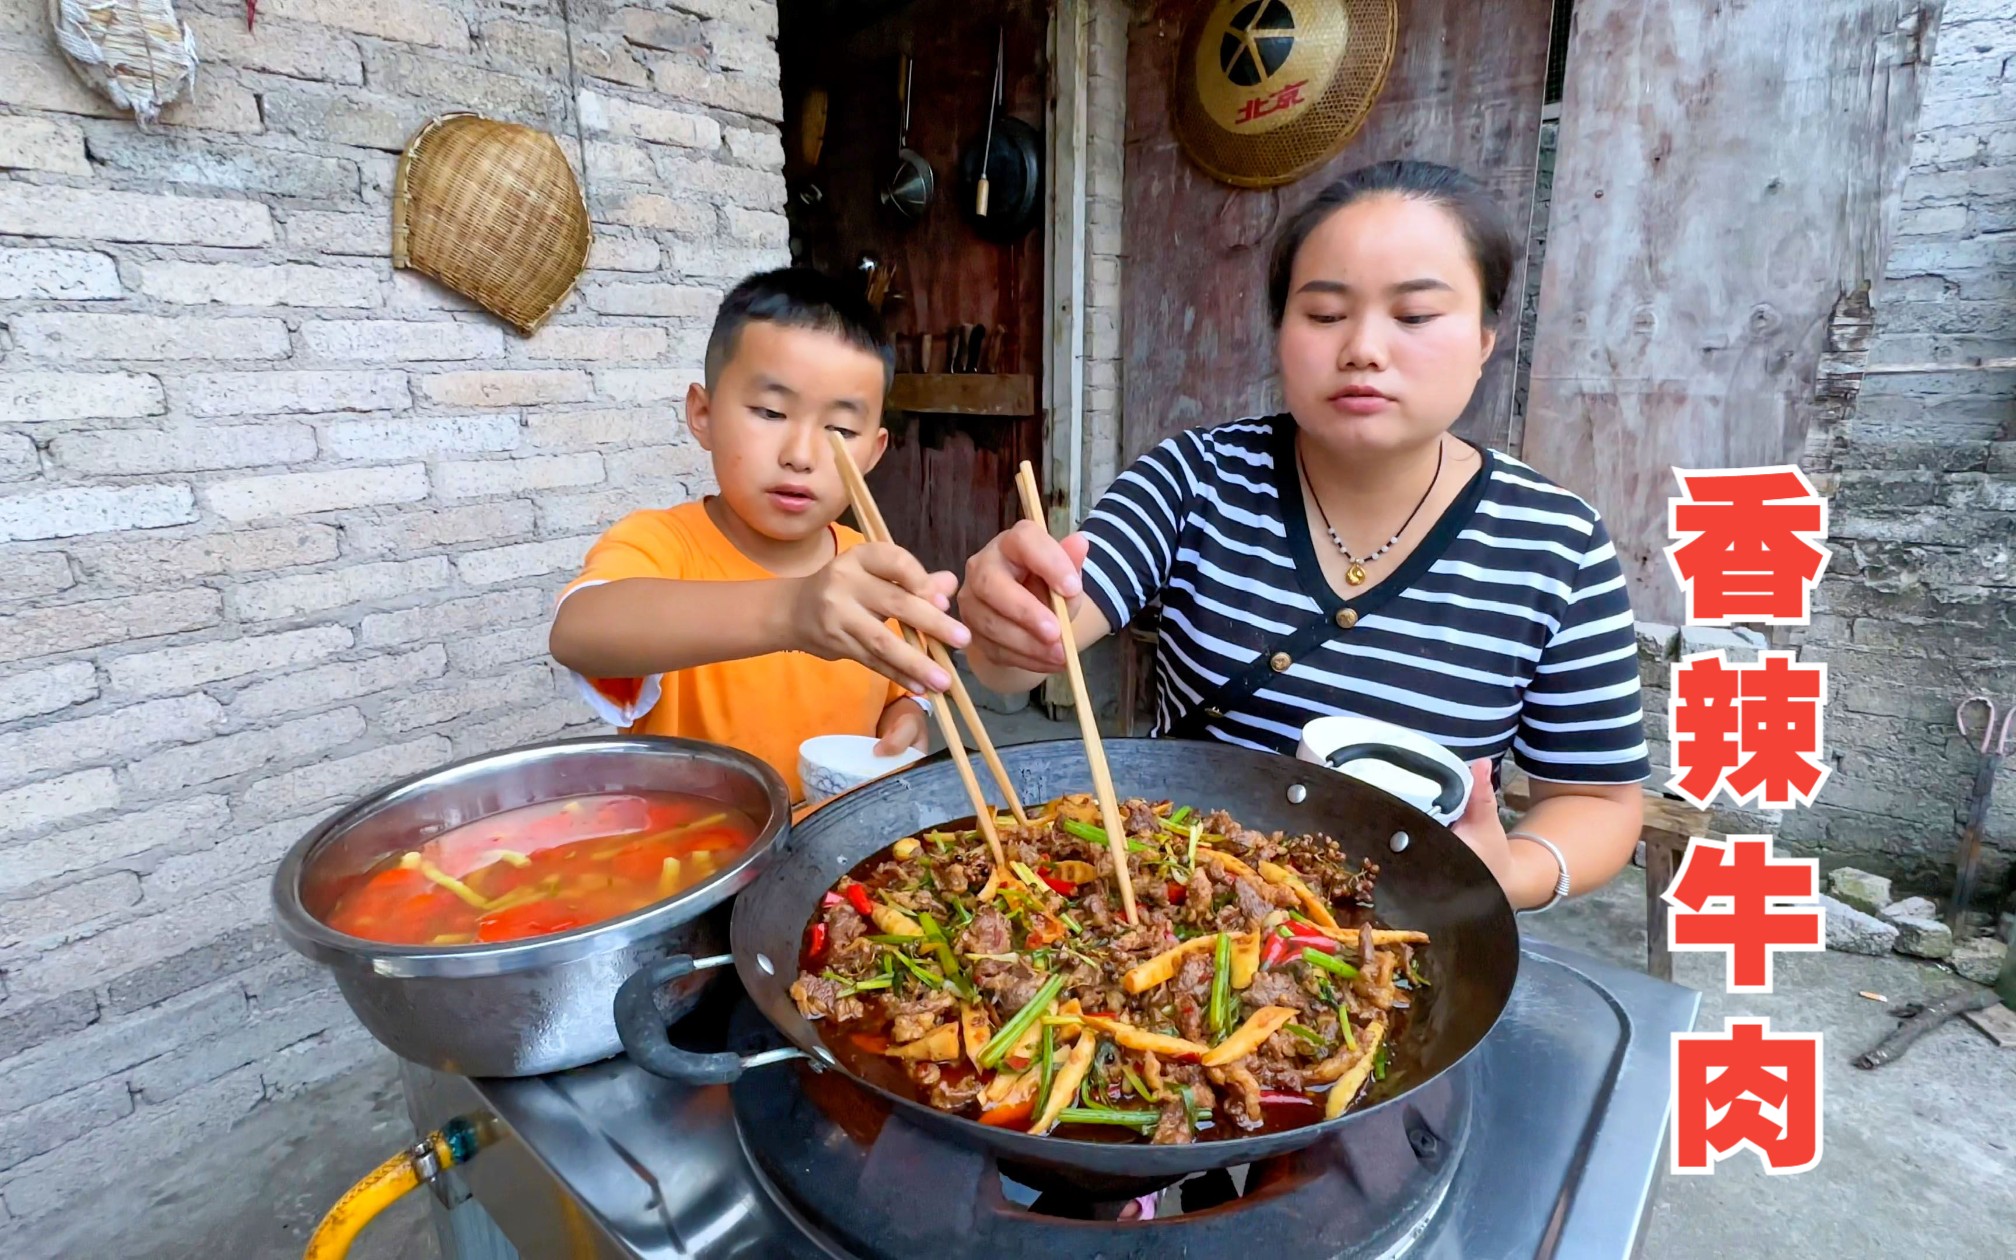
(752, 618)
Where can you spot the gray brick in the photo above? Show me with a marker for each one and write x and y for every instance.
(629, 119)
(234, 857)
(582, 430)
(154, 160)
(132, 561)
(416, 437)
(415, 75)
(427, 530)
(102, 1047)
(454, 620)
(298, 791)
(518, 561)
(118, 733)
(74, 627)
(169, 670)
(656, 465)
(33, 396)
(48, 1125)
(585, 513)
(660, 213)
(58, 275)
(128, 451)
(151, 337)
(162, 1078)
(302, 594)
(366, 120)
(463, 479)
(457, 702)
(225, 956)
(291, 392)
(521, 727)
(632, 385)
(43, 144)
(542, 52)
(24, 575)
(481, 653)
(43, 1023)
(506, 389)
(595, 343)
(96, 215)
(36, 692)
(261, 284)
(30, 808)
(408, 21)
(70, 908)
(401, 340)
(329, 232)
(667, 32)
(292, 494)
(77, 510)
(330, 684)
(623, 253)
(229, 756)
(296, 50)
(673, 300)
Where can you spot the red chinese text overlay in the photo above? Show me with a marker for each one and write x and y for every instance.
(1746, 1086)
(1733, 895)
(1748, 544)
(1754, 729)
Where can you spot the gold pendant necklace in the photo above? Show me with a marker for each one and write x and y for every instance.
(1354, 566)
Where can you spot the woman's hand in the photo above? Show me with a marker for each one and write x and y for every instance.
(1006, 599)
(902, 727)
(1483, 830)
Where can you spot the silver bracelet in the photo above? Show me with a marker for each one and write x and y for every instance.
(1561, 884)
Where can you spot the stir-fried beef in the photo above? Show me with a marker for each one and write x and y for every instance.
(939, 975)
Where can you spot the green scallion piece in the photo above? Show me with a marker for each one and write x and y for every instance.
(1002, 1042)
(1221, 987)
(1049, 1065)
(1136, 1084)
(1190, 1106)
(1309, 1035)
(1140, 1121)
(1379, 1064)
(1344, 1022)
(1182, 815)
(1190, 855)
(1083, 831)
(1335, 966)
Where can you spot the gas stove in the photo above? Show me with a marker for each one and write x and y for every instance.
(1546, 1141)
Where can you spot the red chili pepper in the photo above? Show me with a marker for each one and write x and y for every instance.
(1321, 944)
(1063, 888)
(857, 896)
(1282, 1098)
(1272, 953)
(1177, 892)
(818, 949)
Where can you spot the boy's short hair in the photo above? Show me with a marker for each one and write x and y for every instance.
(798, 297)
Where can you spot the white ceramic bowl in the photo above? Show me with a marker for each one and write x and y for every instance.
(831, 764)
(1439, 786)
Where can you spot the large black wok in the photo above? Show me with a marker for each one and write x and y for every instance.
(1429, 880)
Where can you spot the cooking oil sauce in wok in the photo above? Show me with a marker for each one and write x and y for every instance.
(875, 872)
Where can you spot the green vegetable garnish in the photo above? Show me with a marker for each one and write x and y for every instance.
(1182, 815)
(1140, 1121)
(1309, 1035)
(1344, 1022)
(1190, 855)
(1379, 1064)
(1189, 1106)
(1135, 1083)
(1221, 987)
(1084, 831)
(1335, 966)
(1413, 976)
(1002, 1042)
(1049, 1065)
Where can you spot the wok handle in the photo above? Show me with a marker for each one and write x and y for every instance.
(641, 1028)
(1451, 783)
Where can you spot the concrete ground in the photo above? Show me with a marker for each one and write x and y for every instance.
(1917, 1156)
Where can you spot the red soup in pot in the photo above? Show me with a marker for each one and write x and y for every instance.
(545, 868)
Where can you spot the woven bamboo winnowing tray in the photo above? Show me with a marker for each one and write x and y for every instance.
(491, 209)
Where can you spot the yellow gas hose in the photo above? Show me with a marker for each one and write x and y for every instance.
(453, 1143)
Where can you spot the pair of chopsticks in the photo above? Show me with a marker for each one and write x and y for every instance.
(877, 530)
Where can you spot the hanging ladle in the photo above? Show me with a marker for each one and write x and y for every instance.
(910, 189)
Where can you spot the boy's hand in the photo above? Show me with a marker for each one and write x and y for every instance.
(902, 727)
(1006, 599)
(839, 613)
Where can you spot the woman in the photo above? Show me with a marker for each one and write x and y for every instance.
(1351, 556)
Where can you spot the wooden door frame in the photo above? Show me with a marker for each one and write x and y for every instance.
(1066, 265)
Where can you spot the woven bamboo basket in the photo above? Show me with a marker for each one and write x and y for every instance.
(492, 210)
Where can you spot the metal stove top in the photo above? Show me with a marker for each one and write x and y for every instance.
(1550, 1145)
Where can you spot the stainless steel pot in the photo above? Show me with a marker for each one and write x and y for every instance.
(519, 1008)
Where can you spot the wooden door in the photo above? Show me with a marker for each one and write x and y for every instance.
(947, 482)
(1465, 89)
(1727, 176)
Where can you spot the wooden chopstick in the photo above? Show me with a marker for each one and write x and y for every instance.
(877, 530)
(1088, 718)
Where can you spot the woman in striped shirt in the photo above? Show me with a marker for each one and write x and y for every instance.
(1351, 556)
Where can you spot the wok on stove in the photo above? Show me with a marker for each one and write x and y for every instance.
(1429, 880)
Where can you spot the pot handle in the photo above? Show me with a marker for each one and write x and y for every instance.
(1452, 784)
(641, 1028)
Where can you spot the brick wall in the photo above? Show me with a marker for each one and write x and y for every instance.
(1919, 604)
(1106, 123)
(278, 525)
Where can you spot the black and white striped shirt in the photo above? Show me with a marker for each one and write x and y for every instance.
(1508, 627)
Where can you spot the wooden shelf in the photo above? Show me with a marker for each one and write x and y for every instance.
(964, 394)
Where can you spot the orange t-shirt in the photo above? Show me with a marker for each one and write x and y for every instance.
(763, 705)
